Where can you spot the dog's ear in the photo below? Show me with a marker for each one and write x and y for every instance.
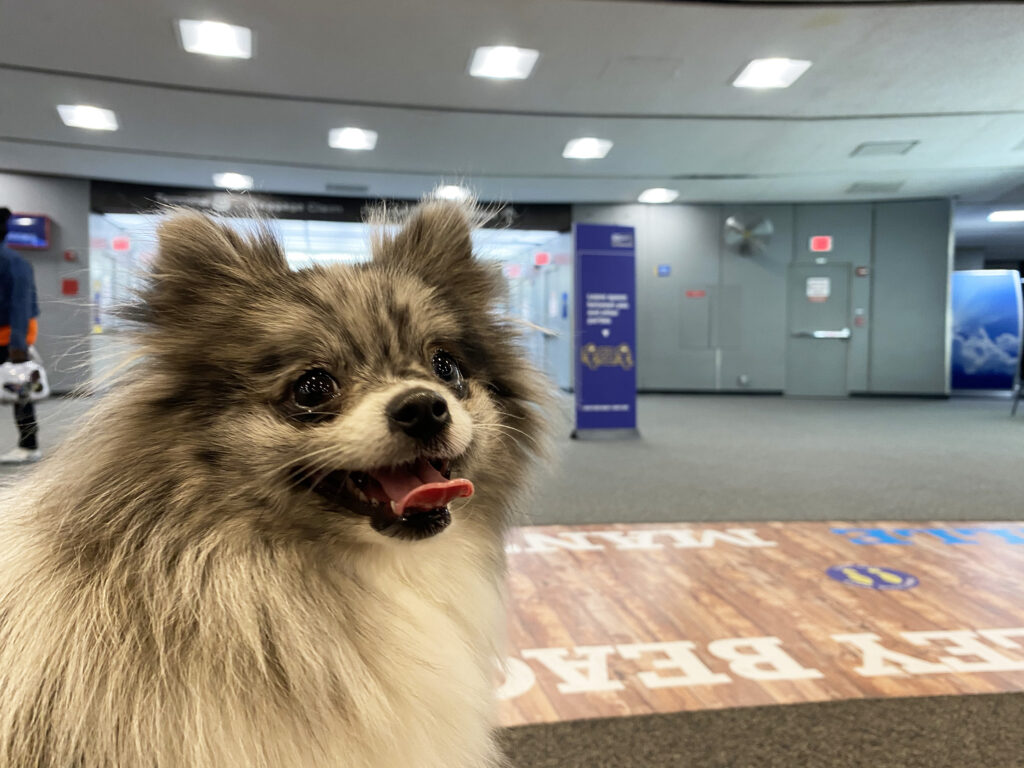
(202, 265)
(435, 242)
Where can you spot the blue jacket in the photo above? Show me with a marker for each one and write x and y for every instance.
(18, 300)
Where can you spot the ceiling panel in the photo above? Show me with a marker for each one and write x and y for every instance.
(653, 77)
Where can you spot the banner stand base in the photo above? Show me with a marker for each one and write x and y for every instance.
(605, 434)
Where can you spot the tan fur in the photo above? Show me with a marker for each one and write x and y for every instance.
(168, 599)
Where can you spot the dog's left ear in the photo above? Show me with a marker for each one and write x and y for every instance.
(204, 269)
(435, 242)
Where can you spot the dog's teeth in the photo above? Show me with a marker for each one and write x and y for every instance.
(394, 506)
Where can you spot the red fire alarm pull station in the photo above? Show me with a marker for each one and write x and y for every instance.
(821, 243)
(69, 287)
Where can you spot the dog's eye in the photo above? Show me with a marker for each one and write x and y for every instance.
(447, 370)
(314, 388)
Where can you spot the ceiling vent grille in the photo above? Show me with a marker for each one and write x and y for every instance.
(875, 187)
(883, 148)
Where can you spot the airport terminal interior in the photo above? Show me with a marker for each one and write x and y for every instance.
(766, 257)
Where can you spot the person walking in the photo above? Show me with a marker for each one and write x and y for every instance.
(19, 310)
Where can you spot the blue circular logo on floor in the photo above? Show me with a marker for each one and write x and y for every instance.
(872, 577)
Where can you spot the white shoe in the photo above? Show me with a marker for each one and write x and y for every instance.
(21, 456)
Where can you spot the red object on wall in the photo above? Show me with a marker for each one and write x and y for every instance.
(69, 287)
(121, 244)
(70, 255)
(541, 259)
(696, 294)
(821, 243)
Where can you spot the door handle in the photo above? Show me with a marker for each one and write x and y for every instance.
(843, 333)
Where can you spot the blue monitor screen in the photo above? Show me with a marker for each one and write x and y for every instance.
(28, 231)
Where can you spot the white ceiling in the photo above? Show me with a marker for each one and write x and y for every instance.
(653, 77)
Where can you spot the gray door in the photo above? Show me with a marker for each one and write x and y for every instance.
(819, 330)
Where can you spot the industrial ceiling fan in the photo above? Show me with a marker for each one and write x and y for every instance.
(748, 238)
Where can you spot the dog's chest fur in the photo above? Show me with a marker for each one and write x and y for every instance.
(392, 664)
(414, 665)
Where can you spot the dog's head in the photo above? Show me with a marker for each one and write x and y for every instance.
(371, 400)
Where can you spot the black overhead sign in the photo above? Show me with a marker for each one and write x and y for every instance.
(114, 197)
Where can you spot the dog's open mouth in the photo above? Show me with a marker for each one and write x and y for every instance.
(409, 501)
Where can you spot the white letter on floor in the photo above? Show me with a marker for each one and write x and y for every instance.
(580, 675)
(630, 539)
(875, 658)
(519, 678)
(765, 659)
(679, 656)
(966, 643)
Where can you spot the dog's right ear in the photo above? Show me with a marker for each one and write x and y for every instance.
(201, 266)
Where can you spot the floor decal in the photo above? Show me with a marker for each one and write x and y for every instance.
(637, 619)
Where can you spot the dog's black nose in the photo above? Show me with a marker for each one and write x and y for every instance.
(420, 413)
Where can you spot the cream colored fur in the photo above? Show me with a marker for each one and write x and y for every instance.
(169, 598)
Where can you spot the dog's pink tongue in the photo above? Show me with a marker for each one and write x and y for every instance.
(421, 487)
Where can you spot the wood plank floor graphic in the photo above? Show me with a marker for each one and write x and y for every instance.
(623, 620)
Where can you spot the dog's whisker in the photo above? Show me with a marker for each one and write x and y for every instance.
(304, 458)
(507, 431)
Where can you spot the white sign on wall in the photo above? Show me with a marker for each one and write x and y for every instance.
(819, 288)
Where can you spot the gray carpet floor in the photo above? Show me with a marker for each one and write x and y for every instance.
(728, 458)
(736, 458)
(942, 732)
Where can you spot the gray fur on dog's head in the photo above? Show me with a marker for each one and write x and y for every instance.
(227, 328)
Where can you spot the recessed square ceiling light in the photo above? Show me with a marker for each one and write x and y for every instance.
(587, 148)
(451, 192)
(1003, 217)
(358, 139)
(503, 62)
(215, 38)
(658, 195)
(232, 180)
(85, 116)
(771, 73)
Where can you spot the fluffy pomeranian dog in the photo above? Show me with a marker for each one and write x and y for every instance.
(279, 542)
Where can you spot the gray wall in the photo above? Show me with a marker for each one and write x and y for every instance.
(64, 321)
(969, 258)
(734, 338)
(913, 257)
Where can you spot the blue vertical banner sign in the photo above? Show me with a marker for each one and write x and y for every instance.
(605, 334)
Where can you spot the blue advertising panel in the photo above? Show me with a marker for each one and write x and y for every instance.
(605, 338)
(28, 230)
(986, 329)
